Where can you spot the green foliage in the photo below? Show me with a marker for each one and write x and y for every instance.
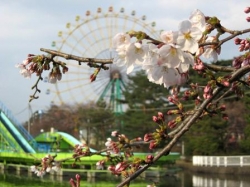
(245, 142)
(206, 137)
(140, 93)
(96, 121)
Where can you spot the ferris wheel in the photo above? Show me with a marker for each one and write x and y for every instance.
(91, 37)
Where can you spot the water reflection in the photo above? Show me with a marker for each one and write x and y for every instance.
(10, 178)
(163, 178)
(220, 181)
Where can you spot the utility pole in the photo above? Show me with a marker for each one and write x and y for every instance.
(30, 115)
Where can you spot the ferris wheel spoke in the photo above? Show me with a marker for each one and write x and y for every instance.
(77, 42)
(91, 30)
(78, 72)
(101, 31)
(85, 41)
(72, 87)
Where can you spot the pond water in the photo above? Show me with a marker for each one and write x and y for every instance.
(162, 179)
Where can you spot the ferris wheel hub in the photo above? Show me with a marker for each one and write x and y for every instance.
(115, 74)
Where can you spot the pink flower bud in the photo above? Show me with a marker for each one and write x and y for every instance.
(92, 77)
(149, 158)
(247, 46)
(111, 168)
(78, 180)
(78, 177)
(245, 62)
(247, 10)
(241, 48)
(138, 139)
(222, 107)
(148, 137)
(155, 119)
(115, 133)
(160, 116)
(207, 96)
(72, 182)
(187, 93)
(248, 19)
(237, 41)
(237, 63)
(121, 166)
(172, 124)
(152, 145)
(225, 83)
(170, 99)
(242, 42)
(199, 67)
(65, 69)
(207, 89)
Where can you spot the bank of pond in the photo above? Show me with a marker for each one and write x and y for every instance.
(164, 177)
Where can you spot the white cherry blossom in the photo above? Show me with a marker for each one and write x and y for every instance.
(170, 56)
(188, 61)
(169, 37)
(168, 62)
(198, 20)
(23, 70)
(188, 36)
(129, 55)
(121, 39)
(210, 51)
(151, 56)
(164, 76)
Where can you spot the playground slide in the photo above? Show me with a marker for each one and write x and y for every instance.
(16, 134)
(8, 143)
(72, 141)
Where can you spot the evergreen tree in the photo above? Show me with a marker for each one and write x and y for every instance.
(207, 137)
(144, 99)
(96, 122)
(245, 139)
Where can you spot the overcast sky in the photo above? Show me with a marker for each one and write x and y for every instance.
(28, 25)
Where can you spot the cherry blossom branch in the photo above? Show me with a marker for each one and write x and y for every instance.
(219, 68)
(185, 125)
(218, 44)
(90, 61)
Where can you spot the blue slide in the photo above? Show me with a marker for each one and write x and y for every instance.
(16, 134)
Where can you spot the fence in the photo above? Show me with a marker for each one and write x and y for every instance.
(221, 161)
